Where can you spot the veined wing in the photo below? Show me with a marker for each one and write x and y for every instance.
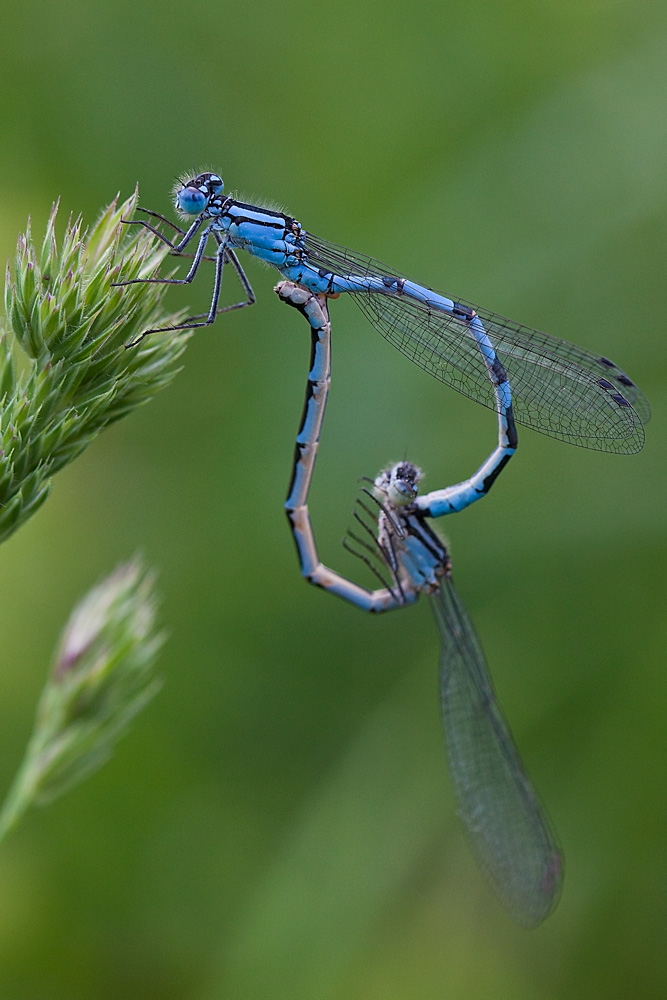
(558, 388)
(506, 825)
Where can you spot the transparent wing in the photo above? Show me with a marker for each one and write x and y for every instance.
(558, 388)
(506, 825)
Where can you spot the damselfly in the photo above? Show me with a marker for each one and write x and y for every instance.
(559, 389)
(506, 825)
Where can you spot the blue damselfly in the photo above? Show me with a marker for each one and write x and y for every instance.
(559, 389)
(507, 827)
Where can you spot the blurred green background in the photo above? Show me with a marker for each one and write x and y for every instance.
(279, 823)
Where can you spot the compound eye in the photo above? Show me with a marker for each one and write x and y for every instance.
(403, 484)
(190, 200)
(215, 184)
(402, 492)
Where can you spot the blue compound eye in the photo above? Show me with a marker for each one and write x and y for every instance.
(215, 184)
(190, 200)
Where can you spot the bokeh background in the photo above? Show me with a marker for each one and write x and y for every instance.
(279, 823)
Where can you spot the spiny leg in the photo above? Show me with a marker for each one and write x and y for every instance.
(167, 222)
(242, 276)
(384, 554)
(174, 247)
(206, 319)
(192, 323)
(154, 215)
(230, 256)
(196, 261)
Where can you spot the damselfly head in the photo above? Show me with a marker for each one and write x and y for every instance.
(193, 194)
(400, 484)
